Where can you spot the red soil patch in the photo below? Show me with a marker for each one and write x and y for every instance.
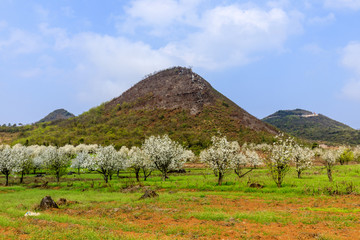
(294, 218)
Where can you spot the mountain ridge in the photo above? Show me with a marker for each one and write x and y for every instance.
(313, 126)
(175, 101)
(58, 114)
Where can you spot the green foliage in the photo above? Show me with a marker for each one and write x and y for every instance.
(128, 126)
(316, 128)
(346, 157)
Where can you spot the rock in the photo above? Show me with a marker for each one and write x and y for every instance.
(62, 201)
(256, 185)
(47, 202)
(149, 194)
(177, 171)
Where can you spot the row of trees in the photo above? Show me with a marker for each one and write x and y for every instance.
(159, 153)
(163, 154)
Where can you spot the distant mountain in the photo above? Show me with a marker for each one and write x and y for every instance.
(175, 101)
(313, 126)
(58, 114)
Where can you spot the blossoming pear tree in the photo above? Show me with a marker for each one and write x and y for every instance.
(165, 154)
(221, 156)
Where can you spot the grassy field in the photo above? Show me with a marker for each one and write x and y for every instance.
(189, 206)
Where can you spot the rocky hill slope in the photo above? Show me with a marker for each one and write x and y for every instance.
(176, 101)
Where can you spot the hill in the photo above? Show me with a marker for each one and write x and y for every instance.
(175, 101)
(312, 126)
(56, 115)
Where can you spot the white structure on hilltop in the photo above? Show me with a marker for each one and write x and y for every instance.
(310, 115)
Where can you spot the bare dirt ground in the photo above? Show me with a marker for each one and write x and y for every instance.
(196, 218)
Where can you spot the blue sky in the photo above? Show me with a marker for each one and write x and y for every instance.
(263, 55)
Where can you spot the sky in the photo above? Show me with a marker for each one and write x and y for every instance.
(263, 55)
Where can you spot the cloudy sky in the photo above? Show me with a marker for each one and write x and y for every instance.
(263, 55)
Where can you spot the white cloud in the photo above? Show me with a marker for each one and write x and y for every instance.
(20, 42)
(109, 65)
(351, 90)
(343, 4)
(41, 12)
(351, 61)
(30, 73)
(351, 57)
(232, 36)
(102, 66)
(159, 15)
(162, 12)
(322, 20)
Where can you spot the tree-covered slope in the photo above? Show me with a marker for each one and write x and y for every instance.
(307, 125)
(175, 101)
(56, 115)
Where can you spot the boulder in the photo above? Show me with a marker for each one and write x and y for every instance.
(47, 202)
(149, 194)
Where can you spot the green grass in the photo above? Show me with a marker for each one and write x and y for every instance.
(106, 211)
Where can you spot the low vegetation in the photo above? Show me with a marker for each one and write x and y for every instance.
(259, 188)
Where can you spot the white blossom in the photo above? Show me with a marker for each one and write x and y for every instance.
(21, 155)
(303, 158)
(330, 156)
(106, 162)
(138, 160)
(56, 160)
(165, 154)
(280, 158)
(7, 162)
(222, 156)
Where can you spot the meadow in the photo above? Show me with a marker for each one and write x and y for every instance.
(190, 205)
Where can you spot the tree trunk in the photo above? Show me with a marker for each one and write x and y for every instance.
(329, 173)
(164, 175)
(137, 175)
(242, 175)
(106, 178)
(22, 177)
(58, 177)
(7, 179)
(79, 171)
(299, 173)
(146, 175)
(221, 176)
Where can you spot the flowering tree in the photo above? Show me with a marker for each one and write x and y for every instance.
(221, 156)
(36, 152)
(303, 159)
(248, 159)
(165, 154)
(86, 148)
(357, 153)
(106, 162)
(123, 158)
(330, 156)
(79, 160)
(279, 159)
(7, 163)
(138, 161)
(21, 156)
(56, 160)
